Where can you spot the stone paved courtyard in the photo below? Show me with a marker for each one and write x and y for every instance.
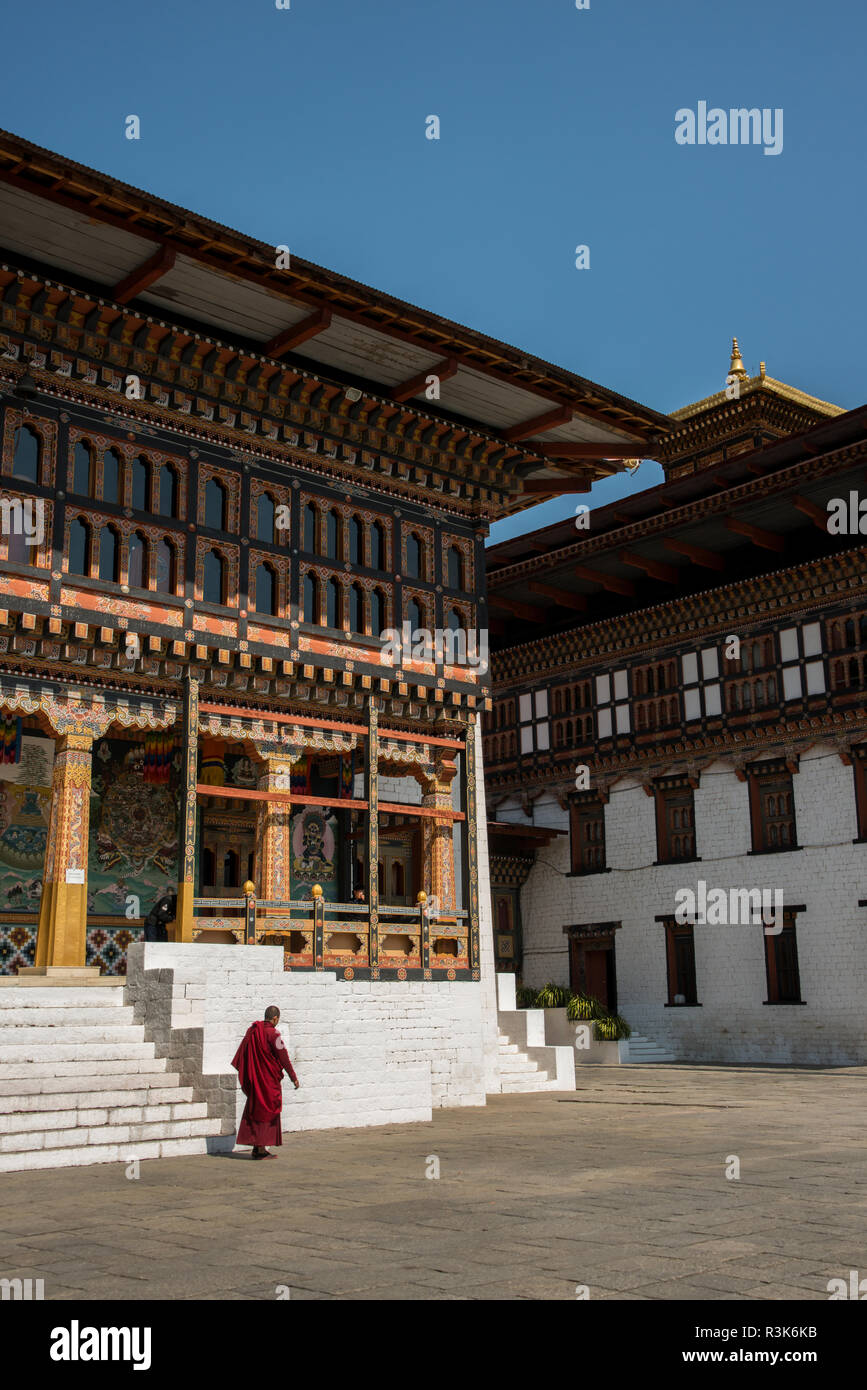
(620, 1186)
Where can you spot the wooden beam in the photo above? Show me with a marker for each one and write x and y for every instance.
(812, 510)
(578, 484)
(563, 415)
(529, 612)
(608, 581)
(768, 540)
(565, 450)
(246, 794)
(305, 722)
(445, 369)
(561, 596)
(151, 270)
(655, 568)
(300, 332)
(707, 558)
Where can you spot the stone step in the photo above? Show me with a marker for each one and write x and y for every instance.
(74, 996)
(102, 1134)
(515, 1086)
(63, 1036)
(94, 1064)
(86, 1118)
(68, 1016)
(89, 1097)
(103, 1153)
(78, 1052)
(644, 1049)
(85, 1081)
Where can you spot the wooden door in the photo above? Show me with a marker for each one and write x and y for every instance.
(592, 969)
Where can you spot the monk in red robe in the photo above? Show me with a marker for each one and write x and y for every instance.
(260, 1063)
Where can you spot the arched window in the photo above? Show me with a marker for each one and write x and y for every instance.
(310, 529)
(111, 476)
(266, 590)
(108, 554)
(455, 621)
(356, 608)
(215, 505)
(214, 585)
(356, 535)
(377, 611)
(82, 469)
(311, 598)
(265, 514)
(332, 604)
(168, 490)
(377, 546)
(413, 556)
(79, 547)
(456, 568)
(166, 560)
(140, 479)
(25, 460)
(414, 615)
(332, 536)
(137, 569)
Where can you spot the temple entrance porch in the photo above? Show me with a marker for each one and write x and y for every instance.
(352, 851)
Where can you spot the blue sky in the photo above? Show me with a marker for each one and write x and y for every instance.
(307, 127)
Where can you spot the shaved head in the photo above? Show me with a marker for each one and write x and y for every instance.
(272, 1013)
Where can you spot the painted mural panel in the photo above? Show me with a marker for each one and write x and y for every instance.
(25, 803)
(315, 853)
(133, 826)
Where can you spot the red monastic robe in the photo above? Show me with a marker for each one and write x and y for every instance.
(260, 1062)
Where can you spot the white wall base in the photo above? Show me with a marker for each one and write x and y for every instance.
(366, 1052)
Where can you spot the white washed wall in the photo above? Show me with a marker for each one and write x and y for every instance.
(828, 875)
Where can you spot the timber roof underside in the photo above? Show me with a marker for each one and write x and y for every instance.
(758, 512)
(141, 250)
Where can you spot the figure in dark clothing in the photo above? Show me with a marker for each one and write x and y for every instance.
(260, 1063)
(163, 911)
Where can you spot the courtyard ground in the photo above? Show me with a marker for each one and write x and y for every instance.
(620, 1186)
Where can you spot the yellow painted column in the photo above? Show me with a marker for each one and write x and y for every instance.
(439, 852)
(274, 831)
(183, 930)
(62, 934)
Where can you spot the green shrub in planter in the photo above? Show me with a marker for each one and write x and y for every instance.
(552, 997)
(525, 998)
(583, 1006)
(611, 1028)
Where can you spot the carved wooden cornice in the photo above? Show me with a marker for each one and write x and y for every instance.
(746, 603)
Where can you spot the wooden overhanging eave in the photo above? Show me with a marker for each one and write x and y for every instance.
(175, 231)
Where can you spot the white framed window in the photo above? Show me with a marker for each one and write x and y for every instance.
(702, 692)
(802, 662)
(612, 704)
(533, 721)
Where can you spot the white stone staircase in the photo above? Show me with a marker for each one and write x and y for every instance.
(640, 1048)
(80, 1084)
(527, 1061)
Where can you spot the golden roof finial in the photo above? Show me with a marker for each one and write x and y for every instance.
(737, 367)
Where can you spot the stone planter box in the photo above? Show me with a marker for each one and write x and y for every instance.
(558, 1029)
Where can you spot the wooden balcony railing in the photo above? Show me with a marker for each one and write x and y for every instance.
(320, 935)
